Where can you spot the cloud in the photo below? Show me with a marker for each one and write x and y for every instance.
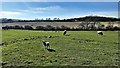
(10, 13)
(107, 14)
(25, 11)
(48, 8)
(40, 9)
(30, 11)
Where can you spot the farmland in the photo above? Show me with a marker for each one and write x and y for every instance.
(77, 48)
(34, 24)
(59, 24)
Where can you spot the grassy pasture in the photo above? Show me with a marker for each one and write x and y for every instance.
(78, 48)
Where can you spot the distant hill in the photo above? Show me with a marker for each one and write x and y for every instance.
(95, 18)
(87, 18)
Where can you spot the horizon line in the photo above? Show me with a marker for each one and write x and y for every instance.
(61, 18)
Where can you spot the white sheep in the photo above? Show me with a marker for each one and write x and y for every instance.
(100, 32)
(65, 31)
(46, 44)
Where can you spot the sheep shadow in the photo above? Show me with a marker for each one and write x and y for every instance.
(67, 35)
(51, 50)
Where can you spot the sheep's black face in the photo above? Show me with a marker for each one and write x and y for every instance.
(64, 32)
(49, 36)
(100, 33)
(44, 43)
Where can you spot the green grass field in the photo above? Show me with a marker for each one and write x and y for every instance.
(78, 48)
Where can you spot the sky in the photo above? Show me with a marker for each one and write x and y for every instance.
(60, 0)
(62, 10)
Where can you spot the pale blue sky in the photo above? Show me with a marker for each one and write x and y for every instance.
(60, 0)
(32, 10)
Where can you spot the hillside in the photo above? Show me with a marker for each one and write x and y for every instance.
(87, 18)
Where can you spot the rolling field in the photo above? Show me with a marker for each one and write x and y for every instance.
(59, 24)
(34, 24)
(77, 48)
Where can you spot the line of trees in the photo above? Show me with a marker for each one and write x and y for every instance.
(91, 18)
(53, 28)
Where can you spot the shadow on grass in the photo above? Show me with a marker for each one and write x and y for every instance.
(67, 35)
(51, 50)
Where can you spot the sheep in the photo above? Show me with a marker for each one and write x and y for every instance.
(49, 36)
(46, 44)
(65, 31)
(100, 32)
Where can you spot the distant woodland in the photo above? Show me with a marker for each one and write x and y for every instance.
(87, 18)
(87, 23)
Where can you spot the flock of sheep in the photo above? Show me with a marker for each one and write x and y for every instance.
(47, 44)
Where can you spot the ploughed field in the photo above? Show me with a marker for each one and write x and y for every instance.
(77, 48)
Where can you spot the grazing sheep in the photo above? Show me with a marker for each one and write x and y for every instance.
(46, 44)
(65, 31)
(100, 32)
(49, 36)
